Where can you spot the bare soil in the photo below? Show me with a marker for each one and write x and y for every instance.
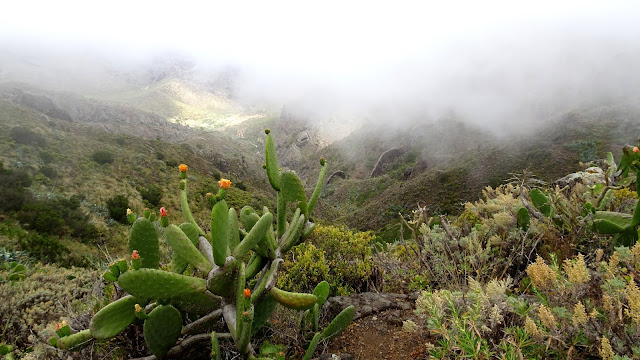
(380, 336)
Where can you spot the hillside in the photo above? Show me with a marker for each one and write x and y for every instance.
(53, 138)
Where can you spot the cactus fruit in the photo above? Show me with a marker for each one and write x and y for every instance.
(144, 238)
(296, 301)
(184, 248)
(114, 318)
(158, 284)
(161, 329)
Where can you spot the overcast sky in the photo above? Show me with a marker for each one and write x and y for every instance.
(487, 60)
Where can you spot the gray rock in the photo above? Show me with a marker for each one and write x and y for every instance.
(369, 303)
(591, 176)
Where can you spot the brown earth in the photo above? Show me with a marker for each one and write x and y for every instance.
(380, 336)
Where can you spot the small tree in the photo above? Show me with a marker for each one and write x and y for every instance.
(152, 195)
(117, 206)
(102, 157)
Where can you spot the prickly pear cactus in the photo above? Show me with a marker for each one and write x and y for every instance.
(236, 253)
(144, 238)
(162, 329)
(624, 227)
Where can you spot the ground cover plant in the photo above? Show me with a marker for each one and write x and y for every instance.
(491, 294)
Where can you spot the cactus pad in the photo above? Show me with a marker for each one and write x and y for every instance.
(74, 340)
(144, 238)
(113, 318)
(158, 284)
(220, 232)
(184, 248)
(162, 329)
(339, 323)
(273, 169)
(293, 190)
(296, 301)
(256, 234)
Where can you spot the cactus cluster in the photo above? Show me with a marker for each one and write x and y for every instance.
(234, 272)
(624, 227)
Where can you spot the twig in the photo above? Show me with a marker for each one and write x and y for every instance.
(202, 322)
(187, 343)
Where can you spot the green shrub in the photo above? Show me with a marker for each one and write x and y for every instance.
(42, 217)
(45, 248)
(102, 157)
(12, 188)
(26, 136)
(306, 271)
(151, 195)
(117, 207)
(49, 172)
(46, 156)
(344, 253)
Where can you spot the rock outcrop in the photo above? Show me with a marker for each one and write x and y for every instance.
(336, 174)
(387, 159)
(369, 303)
(590, 176)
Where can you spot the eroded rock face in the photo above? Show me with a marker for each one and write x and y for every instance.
(40, 103)
(386, 160)
(336, 174)
(369, 303)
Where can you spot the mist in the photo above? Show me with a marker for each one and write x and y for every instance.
(502, 65)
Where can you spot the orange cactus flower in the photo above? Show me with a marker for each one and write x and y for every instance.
(137, 307)
(247, 293)
(163, 212)
(135, 255)
(183, 168)
(635, 149)
(225, 183)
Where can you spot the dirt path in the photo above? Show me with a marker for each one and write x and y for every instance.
(380, 336)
